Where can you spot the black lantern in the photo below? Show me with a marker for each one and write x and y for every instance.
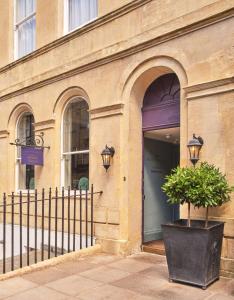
(107, 154)
(194, 147)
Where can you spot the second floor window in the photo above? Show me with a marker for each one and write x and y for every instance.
(25, 27)
(80, 12)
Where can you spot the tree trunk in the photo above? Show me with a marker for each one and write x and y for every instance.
(189, 220)
(206, 223)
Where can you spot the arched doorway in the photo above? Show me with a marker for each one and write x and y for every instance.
(161, 140)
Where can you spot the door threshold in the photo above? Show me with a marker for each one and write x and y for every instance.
(156, 247)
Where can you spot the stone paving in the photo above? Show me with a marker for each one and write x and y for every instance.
(142, 276)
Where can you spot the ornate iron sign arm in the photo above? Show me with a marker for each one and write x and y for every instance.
(31, 141)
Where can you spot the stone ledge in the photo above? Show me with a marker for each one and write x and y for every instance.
(107, 111)
(207, 89)
(52, 262)
(4, 134)
(44, 125)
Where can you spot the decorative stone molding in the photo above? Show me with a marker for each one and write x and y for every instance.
(207, 89)
(44, 125)
(67, 95)
(17, 111)
(179, 30)
(107, 111)
(76, 33)
(4, 134)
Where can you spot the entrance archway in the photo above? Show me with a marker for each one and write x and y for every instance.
(161, 139)
(135, 84)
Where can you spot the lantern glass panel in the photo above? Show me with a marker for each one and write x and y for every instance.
(106, 159)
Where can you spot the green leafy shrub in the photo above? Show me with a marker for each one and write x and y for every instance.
(203, 186)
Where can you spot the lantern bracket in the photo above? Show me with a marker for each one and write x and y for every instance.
(111, 149)
(200, 139)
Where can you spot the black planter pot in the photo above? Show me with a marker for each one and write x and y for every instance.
(193, 253)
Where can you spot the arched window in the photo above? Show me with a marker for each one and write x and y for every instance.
(75, 146)
(25, 173)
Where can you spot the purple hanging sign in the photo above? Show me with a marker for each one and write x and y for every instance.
(32, 156)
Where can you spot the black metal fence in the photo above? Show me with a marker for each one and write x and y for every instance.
(37, 226)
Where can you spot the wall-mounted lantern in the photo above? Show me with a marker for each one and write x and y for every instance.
(194, 147)
(107, 155)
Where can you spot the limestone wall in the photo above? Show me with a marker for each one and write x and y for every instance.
(111, 62)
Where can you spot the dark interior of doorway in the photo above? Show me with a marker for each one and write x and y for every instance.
(161, 155)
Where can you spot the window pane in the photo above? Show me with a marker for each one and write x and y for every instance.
(76, 126)
(24, 132)
(26, 37)
(24, 8)
(76, 171)
(30, 7)
(26, 177)
(81, 12)
(20, 10)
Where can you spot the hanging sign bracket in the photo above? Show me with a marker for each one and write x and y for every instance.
(35, 141)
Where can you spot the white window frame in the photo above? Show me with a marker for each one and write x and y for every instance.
(63, 154)
(16, 25)
(18, 161)
(66, 19)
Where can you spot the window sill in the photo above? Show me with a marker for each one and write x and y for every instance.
(79, 27)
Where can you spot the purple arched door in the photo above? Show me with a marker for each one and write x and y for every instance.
(161, 114)
(161, 105)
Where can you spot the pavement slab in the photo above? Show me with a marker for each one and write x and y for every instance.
(14, 285)
(142, 276)
(181, 292)
(141, 284)
(76, 267)
(149, 258)
(40, 293)
(157, 271)
(105, 274)
(131, 265)
(45, 276)
(73, 285)
(221, 297)
(111, 292)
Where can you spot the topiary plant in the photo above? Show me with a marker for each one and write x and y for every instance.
(203, 186)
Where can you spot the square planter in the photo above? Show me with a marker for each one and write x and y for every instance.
(193, 253)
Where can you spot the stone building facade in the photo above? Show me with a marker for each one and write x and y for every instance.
(109, 62)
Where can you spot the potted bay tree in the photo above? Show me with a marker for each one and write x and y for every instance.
(193, 247)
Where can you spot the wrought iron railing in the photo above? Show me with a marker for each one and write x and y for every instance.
(37, 226)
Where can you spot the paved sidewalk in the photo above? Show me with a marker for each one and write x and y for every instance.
(142, 276)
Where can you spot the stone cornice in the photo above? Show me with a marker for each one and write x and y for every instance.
(4, 134)
(44, 125)
(209, 88)
(107, 111)
(76, 33)
(121, 54)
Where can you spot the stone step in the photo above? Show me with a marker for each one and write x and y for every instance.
(156, 247)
